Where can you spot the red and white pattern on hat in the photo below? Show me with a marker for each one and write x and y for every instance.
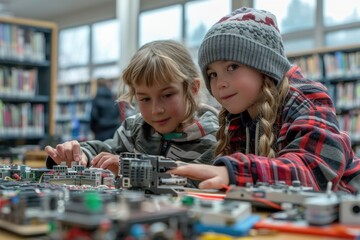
(246, 14)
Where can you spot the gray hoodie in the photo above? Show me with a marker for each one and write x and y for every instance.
(195, 144)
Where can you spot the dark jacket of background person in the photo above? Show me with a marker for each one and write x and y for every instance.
(105, 113)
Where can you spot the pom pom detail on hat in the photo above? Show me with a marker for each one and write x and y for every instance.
(248, 36)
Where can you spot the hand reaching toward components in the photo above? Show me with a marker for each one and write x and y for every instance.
(212, 177)
(106, 160)
(68, 151)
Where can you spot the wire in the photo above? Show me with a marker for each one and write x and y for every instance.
(41, 177)
(7, 178)
(226, 187)
(208, 195)
(268, 203)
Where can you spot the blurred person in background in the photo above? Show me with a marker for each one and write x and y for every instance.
(105, 112)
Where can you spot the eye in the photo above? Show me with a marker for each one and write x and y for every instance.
(212, 75)
(144, 99)
(167, 95)
(233, 67)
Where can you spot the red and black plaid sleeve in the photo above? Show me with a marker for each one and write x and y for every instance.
(310, 146)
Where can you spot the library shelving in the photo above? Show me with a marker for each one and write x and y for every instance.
(74, 102)
(74, 106)
(339, 69)
(28, 61)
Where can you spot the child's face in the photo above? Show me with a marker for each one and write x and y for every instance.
(236, 87)
(162, 106)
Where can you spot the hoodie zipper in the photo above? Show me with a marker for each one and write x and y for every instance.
(166, 140)
(164, 147)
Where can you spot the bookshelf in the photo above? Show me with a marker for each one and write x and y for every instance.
(28, 61)
(73, 107)
(339, 69)
(74, 102)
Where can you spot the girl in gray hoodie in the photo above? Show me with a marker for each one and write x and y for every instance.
(165, 83)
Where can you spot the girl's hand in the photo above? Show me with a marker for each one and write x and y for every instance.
(106, 160)
(68, 152)
(212, 177)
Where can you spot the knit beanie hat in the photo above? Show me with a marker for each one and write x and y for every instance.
(248, 36)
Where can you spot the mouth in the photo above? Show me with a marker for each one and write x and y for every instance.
(162, 121)
(226, 97)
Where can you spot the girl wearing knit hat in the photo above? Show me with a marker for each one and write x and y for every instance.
(165, 83)
(275, 125)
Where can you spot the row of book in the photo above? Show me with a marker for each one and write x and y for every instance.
(68, 111)
(24, 119)
(311, 66)
(22, 44)
(342, 64)
(350, 122)
(17, 81)
(74, 92)
(336, 64)
(74, 129)
(348, 94)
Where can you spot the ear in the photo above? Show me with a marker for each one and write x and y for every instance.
(195, 86)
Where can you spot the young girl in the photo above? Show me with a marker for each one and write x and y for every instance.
(275, 125)
(165, 82)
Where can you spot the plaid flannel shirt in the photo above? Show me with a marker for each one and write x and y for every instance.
(309, 145)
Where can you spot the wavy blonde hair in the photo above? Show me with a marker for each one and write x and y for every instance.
(272, 99)
(160, 62)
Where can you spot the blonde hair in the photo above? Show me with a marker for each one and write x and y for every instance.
(160, 62)
(272, 98)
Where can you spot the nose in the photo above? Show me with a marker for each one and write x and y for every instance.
(221, 82)
(157, 108)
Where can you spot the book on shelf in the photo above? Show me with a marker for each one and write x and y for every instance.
(23, 119)
(21, 43)
(18, 82)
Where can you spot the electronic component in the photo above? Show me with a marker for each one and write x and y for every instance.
(19, 211)
(220, 212)
(277, 193)
(149, 173)
(322, 210)
(79, 175)
(221, 216)
(14, 172)
(78, 202)
(349, 212)
(131, 216)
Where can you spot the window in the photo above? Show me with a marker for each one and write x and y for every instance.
(292, 15)
(302, 30)
(295, 45)
(162, 23)
(342, 37)
(74, 46)
(341, 12)
(109, 71)
(105, 41)
(75, 51)
(342, 22)
(73, 75)
(198, 21)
